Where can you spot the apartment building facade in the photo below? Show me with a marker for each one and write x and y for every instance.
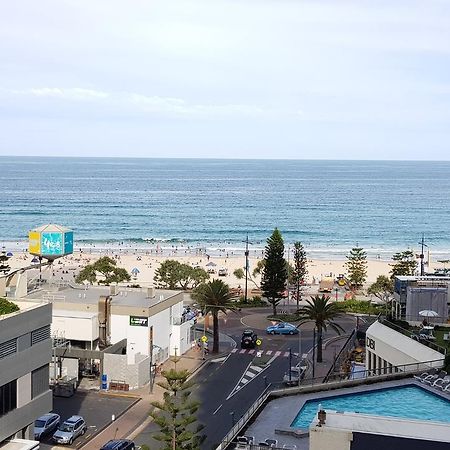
(25, 353)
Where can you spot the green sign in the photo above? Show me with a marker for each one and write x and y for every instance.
(137, 321)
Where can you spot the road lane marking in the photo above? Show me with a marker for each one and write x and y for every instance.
(286, 354)
(251, 352)
(217, 409)
(277, 353)
(244, 380)
(234, 350)
(257, 368)
(242, 351)
(269, 352)
(249, 374)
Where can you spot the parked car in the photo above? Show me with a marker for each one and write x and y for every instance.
(69, 430)
(119, 444)
(248, 339)
(282, 328)
(45, 425)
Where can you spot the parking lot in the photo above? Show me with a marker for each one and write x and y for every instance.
(95, 408)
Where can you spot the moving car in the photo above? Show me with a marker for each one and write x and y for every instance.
(70, 429)
(248, 339)
(119, 444)
(282, 328)
(45, 425)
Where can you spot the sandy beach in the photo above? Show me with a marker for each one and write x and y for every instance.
(148, 263)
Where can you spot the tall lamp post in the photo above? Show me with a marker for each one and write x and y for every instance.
(422, 263)
(246, 267)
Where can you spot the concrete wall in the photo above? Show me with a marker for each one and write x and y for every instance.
(116, 367)
(70, 326)
(326, 438)
(181, 338)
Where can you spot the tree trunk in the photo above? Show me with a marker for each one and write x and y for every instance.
(319, 344)
(274, 307)
(215, 332)
(298, 295)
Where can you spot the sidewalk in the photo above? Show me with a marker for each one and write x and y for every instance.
(132, 421)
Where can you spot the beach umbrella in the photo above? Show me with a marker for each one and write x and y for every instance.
(135, 271)
(428, 313)
(35, 260)
(211, 264)
(9, 254)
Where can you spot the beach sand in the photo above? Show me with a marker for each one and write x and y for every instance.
(147, 264)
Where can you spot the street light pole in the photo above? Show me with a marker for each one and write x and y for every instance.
(290, 365)
(246, 269)
(422, 256)
(314, 353)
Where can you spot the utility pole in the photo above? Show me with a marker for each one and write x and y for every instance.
(290, 364)
(422, 256)
(314, 353)
(246, 269)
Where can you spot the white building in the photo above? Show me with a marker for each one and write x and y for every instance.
(387, 348)
(93, 318)
(354, 431)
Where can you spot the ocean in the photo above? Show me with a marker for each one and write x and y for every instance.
(213, 204)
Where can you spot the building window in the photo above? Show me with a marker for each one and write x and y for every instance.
(8, 397)
(39, 381)
(8, 348)
(41, 334)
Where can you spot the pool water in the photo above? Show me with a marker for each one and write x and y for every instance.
(409, 402)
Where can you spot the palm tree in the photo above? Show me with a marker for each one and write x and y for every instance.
(213, 297)
(322, 313)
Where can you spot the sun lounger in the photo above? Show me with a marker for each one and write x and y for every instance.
(443, 386)
(424, 375)
(440, 381)
(431, 379)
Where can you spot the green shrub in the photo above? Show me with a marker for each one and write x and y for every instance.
(7, 307)
(358, 306)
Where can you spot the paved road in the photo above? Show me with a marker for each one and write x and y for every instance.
(217, 380)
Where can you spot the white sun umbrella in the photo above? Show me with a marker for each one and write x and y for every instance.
(135, 271)
(428, 313)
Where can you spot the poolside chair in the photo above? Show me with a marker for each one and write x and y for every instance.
(443, 386)
(431, 379)
(440, 381)
(423, 376)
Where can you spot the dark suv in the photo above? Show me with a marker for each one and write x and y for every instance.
(248, 339)
(119, 444)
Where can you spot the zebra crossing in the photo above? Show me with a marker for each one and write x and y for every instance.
(251, 372)
(252, 351)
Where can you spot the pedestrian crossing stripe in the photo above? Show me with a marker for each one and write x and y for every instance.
(268, 352)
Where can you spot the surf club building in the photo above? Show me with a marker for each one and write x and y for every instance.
(118, 333)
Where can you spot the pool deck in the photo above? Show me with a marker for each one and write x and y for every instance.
(275, 419)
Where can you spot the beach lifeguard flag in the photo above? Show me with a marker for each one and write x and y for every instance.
(50, 241)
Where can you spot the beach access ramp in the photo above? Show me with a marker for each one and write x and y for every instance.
(326, 284)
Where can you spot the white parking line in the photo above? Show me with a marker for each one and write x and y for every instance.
(217, 409)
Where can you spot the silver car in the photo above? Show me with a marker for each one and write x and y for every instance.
(45, 425)
(71, 428)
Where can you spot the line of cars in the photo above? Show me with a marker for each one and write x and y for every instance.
(249, 337)
(66, 432)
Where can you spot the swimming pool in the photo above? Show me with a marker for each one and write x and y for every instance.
(409, 402)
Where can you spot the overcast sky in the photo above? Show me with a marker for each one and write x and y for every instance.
(361, 79)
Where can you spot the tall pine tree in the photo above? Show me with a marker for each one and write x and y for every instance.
(357, 267)
(274, 273)
(175, 415)
(404, 263)
(300, 271)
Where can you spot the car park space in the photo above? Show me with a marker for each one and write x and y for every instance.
(97, 409)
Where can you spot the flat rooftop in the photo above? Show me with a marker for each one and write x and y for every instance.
(91, 294)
